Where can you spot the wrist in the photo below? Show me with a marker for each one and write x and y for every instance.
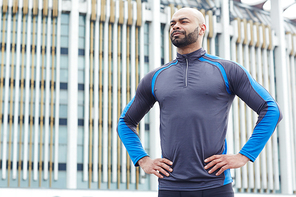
(244, 158)
(142, 160)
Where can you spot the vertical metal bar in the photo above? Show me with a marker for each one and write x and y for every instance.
(57, 96)
(72, 129)
(289, 62)
(293, 95)
(132, 73)
(248, 125)
(119, 104)
(17, 89)
(109, 106)
(251, 166)
(235, 102)
(254, 115)
(22, 100)
(137, 83)
(100, 103)
(52, 101)
(170, 42)
(96, 103)
(86, 99)
(110, 130)
(212, 33)
(142, 123)
(142, 63)
(293, 87)
(47, 91)
(6, 95)
(41, 103)
(90, 104)
(27, 93)
(37, 11)
(238, 177)
(259, 79)
(127, 96)
(275, 133)
(105, 97)
(87, 105)
(92, 165)
(115, 87)
(166, 35)
(11, 100)
(31, 103)
(205, 41)
(118, 101)
(123, 85)
(242, 120)
(266, 85)
(2, 78)
(47, 94)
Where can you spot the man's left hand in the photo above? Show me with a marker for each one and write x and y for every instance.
(224, 162)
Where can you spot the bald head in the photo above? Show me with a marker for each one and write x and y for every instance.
(187, 30)
(191, 12)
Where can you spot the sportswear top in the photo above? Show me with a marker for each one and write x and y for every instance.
(195, 92)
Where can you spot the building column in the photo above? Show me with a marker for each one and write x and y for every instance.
(72, 122)
(224, 41)
(154, 62)
(281, 71)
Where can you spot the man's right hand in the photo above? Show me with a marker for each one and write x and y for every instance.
(156, 166)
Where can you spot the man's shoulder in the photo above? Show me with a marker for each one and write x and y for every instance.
(167, 65)
(148, 78)
(226, 64)
(157, 70)
(218, 59)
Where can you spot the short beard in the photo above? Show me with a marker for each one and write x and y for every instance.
(187, 40)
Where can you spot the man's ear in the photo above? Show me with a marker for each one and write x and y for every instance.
(202, 29)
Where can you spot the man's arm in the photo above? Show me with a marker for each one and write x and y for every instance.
(257, 98)
(129, 119)
(131, 116)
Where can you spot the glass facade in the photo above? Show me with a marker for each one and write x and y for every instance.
(28, 111)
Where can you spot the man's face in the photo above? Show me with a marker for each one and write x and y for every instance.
(184, 29)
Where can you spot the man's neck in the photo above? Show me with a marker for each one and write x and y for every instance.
(189, 48)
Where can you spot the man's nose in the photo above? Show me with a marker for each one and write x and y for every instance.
(176, 26)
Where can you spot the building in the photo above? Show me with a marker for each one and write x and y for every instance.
(68, 68)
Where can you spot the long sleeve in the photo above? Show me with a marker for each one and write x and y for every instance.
(131, 116)
(255, 96)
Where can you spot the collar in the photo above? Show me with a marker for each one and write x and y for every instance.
(191, 56)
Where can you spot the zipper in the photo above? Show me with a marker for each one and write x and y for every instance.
(186, 74)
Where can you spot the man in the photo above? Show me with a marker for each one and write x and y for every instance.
(195, 92)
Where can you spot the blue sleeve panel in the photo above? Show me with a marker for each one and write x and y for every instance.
(241, 83)
(227, 174)
(131, 116)
(130, 139)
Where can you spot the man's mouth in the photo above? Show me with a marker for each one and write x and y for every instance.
(176, 33)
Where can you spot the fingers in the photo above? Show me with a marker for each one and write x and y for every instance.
(213, 160)
(165, 164)
(161, 166)
(217, 162)
(158, 167)
(164, 160)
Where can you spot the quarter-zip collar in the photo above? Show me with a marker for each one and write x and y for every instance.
(187, 59)
(190, 56)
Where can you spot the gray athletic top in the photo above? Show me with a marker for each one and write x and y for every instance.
(195, 92)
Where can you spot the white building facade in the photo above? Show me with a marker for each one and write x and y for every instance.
(69, 67)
